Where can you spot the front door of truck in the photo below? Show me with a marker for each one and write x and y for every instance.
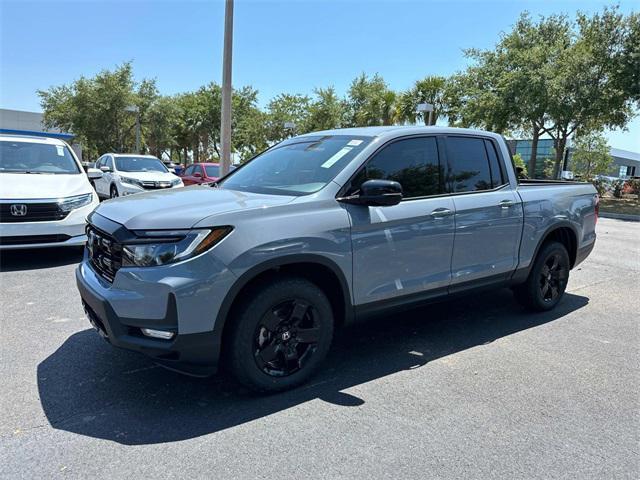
(403, 249)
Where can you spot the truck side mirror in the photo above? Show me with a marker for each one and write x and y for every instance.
(377, 193)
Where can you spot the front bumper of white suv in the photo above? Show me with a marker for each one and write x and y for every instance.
(42, 223)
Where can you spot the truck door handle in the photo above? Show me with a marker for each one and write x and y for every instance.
(441, 213)
(506, 203)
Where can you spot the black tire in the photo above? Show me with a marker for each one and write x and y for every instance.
(280, 335)
(113, 192)
(547, 279)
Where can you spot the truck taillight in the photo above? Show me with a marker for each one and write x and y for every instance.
(597, 206)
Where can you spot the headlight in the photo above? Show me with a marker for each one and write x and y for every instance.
(71, 203)
(162, 247)
(175, 182)
(131, 181)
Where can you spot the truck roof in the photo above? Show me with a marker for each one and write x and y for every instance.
(394, 130)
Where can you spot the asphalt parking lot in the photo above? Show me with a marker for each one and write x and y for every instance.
(467, 389)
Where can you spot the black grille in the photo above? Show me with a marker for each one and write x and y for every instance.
(156, 185)
(33, 239)
(30, 212)
(105, 254)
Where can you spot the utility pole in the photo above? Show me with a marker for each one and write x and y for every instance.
(424, 108)
(138, 132)
(225, 128)
(136, 110)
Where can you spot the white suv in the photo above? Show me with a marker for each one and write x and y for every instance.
(128, 173)
(45, 195)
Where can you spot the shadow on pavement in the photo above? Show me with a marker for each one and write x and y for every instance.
(90, 388)
(34, 259)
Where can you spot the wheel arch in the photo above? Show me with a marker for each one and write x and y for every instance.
(563, 232)
(320, 270)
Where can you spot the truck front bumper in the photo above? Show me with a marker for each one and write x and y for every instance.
(120, 311)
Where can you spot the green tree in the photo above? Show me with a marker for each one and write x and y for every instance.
(506, 88)
(326, 110)
(520, 166)
(161, 118)
(95, 109)
(590, 156)
(369, 102)
(249, 124)
(428, 90)
(586, 92)
(286, 108)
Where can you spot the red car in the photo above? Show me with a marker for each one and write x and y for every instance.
(200, 173)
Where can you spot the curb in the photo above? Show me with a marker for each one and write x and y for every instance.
(620, 216)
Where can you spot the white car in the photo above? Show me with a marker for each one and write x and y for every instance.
(125, 174)
(45, 195)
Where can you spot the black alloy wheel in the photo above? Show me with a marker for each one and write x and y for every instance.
(553, 277)
(280, 334)
(547, 279)
(286, 338)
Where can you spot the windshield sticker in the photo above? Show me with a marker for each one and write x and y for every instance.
(354, 143)
(336, 156)
(60, 150)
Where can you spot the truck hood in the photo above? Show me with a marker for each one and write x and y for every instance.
(26, 186)
(182, 207)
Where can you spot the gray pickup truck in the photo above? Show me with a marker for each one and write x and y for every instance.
(255, 272)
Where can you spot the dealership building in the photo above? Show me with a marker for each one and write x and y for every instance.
(19, 122)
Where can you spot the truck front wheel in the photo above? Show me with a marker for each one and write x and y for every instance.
(547, 279)
(280, 335)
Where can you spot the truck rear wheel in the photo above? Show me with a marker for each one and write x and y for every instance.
(547, 279)
(280, 335)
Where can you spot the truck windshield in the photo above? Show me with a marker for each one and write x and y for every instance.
(31, 157)
(139, 164)
(299, 167)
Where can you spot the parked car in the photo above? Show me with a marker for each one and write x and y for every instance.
(126, 174)
(172, 167)
(45, 194)
(257, 271)
(198, 173)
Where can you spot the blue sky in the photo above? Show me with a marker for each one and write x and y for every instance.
(279, 46)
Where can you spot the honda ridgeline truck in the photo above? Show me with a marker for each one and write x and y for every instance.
(255, 272)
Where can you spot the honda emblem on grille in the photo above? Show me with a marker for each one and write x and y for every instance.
(18, 210)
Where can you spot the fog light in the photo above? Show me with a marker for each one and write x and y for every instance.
(164, 335)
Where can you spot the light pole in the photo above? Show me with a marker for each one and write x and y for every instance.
(136, 110)
(424, 108)
(290, 127)
(225, 127)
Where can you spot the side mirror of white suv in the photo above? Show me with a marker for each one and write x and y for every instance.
(94, 173)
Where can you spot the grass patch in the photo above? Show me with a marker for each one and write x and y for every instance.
(629, 205)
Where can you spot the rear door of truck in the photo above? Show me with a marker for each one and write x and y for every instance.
(488, 212)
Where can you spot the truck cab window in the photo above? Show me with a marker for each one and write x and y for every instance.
(469, 164)
(497, 175)
(413, 162)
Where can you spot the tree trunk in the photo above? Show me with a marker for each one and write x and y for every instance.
(534, 151)
(560, 145)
